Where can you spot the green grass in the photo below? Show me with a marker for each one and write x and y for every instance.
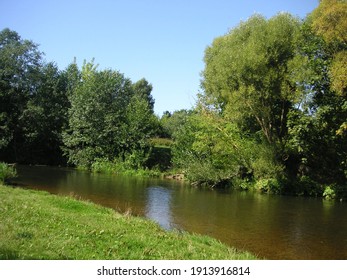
(38, 225)
(108, 167)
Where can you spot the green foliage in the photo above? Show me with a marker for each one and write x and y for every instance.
(143, 90)
(320, 152)
(20, 61)
(329, 20)
(247, 74)
(338, 72)
(249, 89)
(104, 166)
(141, 125)
(335, 191)
(264, 164)
(316, 142)
(7, 172)
(171, 123)
(268, 186)
(160, 156)
(242, 184)
(161, 142)
(33, 103)
(47, 114)
(44, 117)
(96, 101)
(107, 119)
(211, 150)
(329, 193)
(303, 186)
(122, 167)
(136, 159)
(267, 114)
(251, 77)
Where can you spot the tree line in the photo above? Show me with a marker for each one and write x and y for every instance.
(271, 114)
(74, 116)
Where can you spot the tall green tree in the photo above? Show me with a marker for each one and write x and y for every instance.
(248, 74)
(110, 118)
(328, 20)
(139, 126)
(268, 86)
(250, 78)
(44, 117)
(317, 138)
(20, 62)
(96, 117)
(171, 123)
(144, 89)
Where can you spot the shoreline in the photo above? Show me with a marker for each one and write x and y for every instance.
(39, 225)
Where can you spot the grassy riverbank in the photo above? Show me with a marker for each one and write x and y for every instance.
(38, 225)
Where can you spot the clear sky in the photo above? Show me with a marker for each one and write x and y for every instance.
(162, 41)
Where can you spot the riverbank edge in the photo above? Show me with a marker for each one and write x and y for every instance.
(303, 187)
(264, 186)
(107, 167)
(39, 225)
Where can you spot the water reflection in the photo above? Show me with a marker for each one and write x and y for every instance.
(158, 206)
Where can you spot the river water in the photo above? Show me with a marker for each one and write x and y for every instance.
(272, 227)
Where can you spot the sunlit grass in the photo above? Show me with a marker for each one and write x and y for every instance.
(122, 168)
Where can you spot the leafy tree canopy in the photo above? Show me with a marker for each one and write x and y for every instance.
(109, 118)
(248, 74)
(329, 21)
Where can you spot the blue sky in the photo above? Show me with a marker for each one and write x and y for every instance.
(162, 41)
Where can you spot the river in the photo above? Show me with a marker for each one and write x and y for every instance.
(272, 227)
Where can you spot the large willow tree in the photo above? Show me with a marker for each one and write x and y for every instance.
(249, 75)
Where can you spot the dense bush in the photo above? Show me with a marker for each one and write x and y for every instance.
(268, 186)
(6, 172)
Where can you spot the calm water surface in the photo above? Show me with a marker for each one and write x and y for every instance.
(273, 227)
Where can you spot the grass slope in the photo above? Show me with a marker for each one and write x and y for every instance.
(38, 225)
